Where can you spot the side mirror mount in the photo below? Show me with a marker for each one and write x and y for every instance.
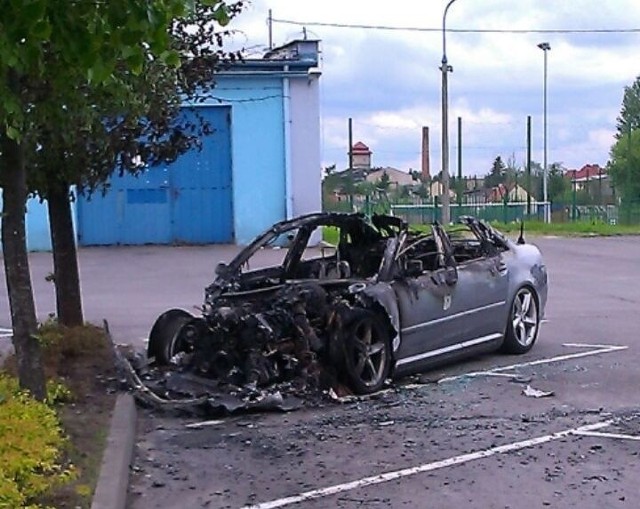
(414, 268)
(221, 269)
(451, 276)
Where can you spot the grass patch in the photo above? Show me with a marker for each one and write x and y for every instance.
(578, 228)
(330, 234)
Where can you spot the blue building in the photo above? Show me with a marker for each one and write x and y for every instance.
(261, 164)
(37, 224)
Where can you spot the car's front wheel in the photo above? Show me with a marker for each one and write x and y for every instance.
(164, 339)
(367, 353)
(523, 323)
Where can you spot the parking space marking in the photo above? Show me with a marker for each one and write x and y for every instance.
(617, 436)
(504, 375)
(5, 333)
(202, 424)
(589, 345)
(593, 350)
(427, 467)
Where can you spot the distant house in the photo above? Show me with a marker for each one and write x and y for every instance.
(499, 194)
(588, 173)
(507, 192)
(594, 180)
(335, 187)
(397, 177)
(361, 155)
(436, 189)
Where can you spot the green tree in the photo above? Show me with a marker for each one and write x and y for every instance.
(384, 182)
(557, 183)
(624, 166)
(47, 49)
(629, 118)
(497, 174)
(142, 128)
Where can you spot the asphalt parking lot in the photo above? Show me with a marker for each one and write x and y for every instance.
(465, 435)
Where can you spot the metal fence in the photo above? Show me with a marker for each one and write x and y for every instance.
(427, 212)
(624, 214)
(502, 212)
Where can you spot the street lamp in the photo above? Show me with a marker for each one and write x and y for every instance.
(445, 68)
(545, 47)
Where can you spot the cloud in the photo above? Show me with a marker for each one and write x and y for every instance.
(390, 84)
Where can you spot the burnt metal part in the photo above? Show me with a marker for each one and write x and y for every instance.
(385, 301)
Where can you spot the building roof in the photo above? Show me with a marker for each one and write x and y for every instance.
(360, 148)
(395, 175)
(587, 172)
(498, 193)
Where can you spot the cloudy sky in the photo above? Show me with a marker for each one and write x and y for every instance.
(389, 83)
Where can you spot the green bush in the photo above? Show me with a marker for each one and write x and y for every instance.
(31, 442)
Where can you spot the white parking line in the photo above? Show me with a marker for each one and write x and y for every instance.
(5, 333)
(427, 467)
(505, 375)
(588, 345)
(203, 424)
(617, 436)
(598, 349)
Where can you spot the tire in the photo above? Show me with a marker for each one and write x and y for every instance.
(523, 323)
(367, 353)
(163, 339)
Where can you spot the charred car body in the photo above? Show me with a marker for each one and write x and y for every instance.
(384, 302)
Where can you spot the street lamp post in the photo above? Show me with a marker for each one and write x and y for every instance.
(545, 47)
(445, 68)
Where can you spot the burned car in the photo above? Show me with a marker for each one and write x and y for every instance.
(384, 302)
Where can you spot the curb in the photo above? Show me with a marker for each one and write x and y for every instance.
(113, 481)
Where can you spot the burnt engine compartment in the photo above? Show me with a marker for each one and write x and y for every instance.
(291, 331)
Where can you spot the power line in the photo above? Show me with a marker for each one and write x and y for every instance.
(463, 30)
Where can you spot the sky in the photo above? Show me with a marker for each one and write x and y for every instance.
(389, 82)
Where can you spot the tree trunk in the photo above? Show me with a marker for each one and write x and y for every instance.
(16, 268)
(65, 258)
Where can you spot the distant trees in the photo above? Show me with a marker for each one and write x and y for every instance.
(629, 118)
(624, 163)
(624, 166)
(496, 175)
(557, 185)
(511, 174)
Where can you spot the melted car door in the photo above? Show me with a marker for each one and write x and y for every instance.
(488, 275)
(428, 304)
(446, 310)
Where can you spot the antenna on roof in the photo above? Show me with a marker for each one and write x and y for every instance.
(521, 237)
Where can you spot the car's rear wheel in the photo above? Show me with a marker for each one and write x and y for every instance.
(164, 339)
(367, 353)
(523, 324)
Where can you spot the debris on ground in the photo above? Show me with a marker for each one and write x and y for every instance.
(530, 392)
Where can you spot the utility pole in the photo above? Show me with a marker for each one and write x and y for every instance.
(445, 68)
(545, 47)
(351, 183)
(460, 183)
(270, 25)
(528, 165)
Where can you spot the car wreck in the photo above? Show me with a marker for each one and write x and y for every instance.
(383, 302)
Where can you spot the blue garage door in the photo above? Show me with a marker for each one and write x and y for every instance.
(188, 201)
